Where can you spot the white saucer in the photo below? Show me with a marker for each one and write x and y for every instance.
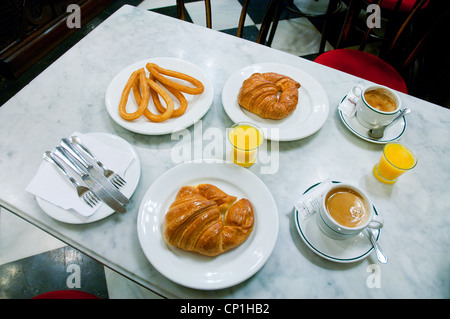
(341, 251)
(132, 176)
(392, 132)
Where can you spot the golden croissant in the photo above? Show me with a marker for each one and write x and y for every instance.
(259, 95)
(194, 221)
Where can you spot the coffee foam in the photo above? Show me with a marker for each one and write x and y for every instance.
(346, 207)
(381, 100)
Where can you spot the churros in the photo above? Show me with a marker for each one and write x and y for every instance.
(168, 112)
(136, 77)
(143, 87)
(178, 95)
(158, 73)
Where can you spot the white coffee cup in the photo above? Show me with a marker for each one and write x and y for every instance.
(332, 228)
(370, 116)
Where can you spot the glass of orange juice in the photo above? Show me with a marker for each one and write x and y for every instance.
(245, 138)
(396, 159)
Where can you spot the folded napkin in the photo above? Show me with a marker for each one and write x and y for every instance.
(50, 185)
(348, 104)
(309, 203)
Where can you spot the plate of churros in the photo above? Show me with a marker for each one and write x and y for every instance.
(159, 96)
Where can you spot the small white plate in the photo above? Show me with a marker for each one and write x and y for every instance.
(341, 251)
(198, 105)
(311, 112)
(392, 132)
(132, 175)
(194, 270)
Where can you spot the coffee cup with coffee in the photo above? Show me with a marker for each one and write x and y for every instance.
(378, 105)
(345, 211)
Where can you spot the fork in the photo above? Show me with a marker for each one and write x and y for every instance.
(115, 178)
(84, 193)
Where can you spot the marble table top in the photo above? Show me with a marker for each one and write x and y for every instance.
(69, 96)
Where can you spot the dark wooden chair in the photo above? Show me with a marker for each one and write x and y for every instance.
(275, 9)
(387, 67)
(181, 12)
(399, 14)
(268, 20)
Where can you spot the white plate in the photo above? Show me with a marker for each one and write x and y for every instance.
(132, 175)
(198, 105)
(393, 132)
(194, 270)
(341, 251)
(311, 112)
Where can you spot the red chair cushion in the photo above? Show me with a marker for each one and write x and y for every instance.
(363, 65)
(66, 294)
(405, 6)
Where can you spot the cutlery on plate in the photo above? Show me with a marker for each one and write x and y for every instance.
(94, 172)
(381, 256)
(115, 178)
(84, 193)
(94, 185)
(378, 132)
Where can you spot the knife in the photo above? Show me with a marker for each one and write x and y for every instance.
(94, 186)
(95, 173)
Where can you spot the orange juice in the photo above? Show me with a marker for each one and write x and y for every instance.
(395, 160)
(245, 139)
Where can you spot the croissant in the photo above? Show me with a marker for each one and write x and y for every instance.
(259, 95)
(194, 221)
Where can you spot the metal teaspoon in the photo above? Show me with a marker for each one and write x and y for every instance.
(381, 256)
(378, 132)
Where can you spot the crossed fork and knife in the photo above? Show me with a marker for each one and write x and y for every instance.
(100, 184)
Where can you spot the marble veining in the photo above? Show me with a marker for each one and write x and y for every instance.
(69, 96)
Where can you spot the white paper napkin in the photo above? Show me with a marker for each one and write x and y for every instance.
(309, 203)
(50, 185)
(348, 105)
